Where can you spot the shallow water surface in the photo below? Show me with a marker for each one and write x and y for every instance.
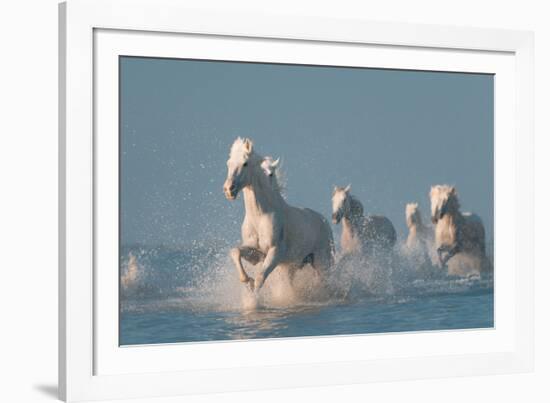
(437, 312)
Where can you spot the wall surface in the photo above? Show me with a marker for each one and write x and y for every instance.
(28, 202)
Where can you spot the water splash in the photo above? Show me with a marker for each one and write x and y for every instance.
(201, 278)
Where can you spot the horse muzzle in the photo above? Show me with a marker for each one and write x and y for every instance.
(230, 191)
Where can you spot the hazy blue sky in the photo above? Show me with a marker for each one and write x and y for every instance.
(389, 133)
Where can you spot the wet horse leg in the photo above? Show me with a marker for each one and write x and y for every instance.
(271, 261)
(450, 251)
(251, 255)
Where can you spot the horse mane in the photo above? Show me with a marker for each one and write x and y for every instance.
(356, 207)
(241, 149)
(453, 199)
(439, 193)
(279, 181)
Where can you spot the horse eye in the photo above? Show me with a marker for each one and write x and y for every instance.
(245, 164)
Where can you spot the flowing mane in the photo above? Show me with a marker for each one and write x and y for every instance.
(356, 208)
(242, 152)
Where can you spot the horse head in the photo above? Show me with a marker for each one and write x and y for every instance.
(444, 200)
(239, 167)
(269, 165)
(341, 203)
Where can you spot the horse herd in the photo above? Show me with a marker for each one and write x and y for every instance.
(283, 237)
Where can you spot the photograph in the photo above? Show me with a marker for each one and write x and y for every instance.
(270, 200)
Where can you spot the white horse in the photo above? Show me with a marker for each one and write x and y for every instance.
(459, 237)
(273, 232)
(420, 240)
(360, 234)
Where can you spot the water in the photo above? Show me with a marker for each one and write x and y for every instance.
(191, 295)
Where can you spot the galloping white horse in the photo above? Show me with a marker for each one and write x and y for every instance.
(273, 232)
(459, 237)
(420, 240)
(360, 234)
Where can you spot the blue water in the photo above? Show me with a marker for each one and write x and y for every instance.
(194, 295)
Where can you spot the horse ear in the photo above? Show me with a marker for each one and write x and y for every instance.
(275, 163)
(248, 145)
(453, 190)
(347, 188)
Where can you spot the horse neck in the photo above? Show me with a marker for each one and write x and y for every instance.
(413, 229)
(453, 220)
(455, 216)
(353, 220)
(354, 216)
(260, 197)
(277, 187)
(349, 234)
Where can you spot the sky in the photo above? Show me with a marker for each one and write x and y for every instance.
(391, 134)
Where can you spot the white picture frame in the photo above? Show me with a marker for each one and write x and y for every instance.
(92, 366)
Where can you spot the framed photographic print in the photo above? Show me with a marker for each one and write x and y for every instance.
(261, 201)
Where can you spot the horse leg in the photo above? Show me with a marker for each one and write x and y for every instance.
(440, 256)
(272, 259)
(450, 250)
(251, 255)
(322, 261)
